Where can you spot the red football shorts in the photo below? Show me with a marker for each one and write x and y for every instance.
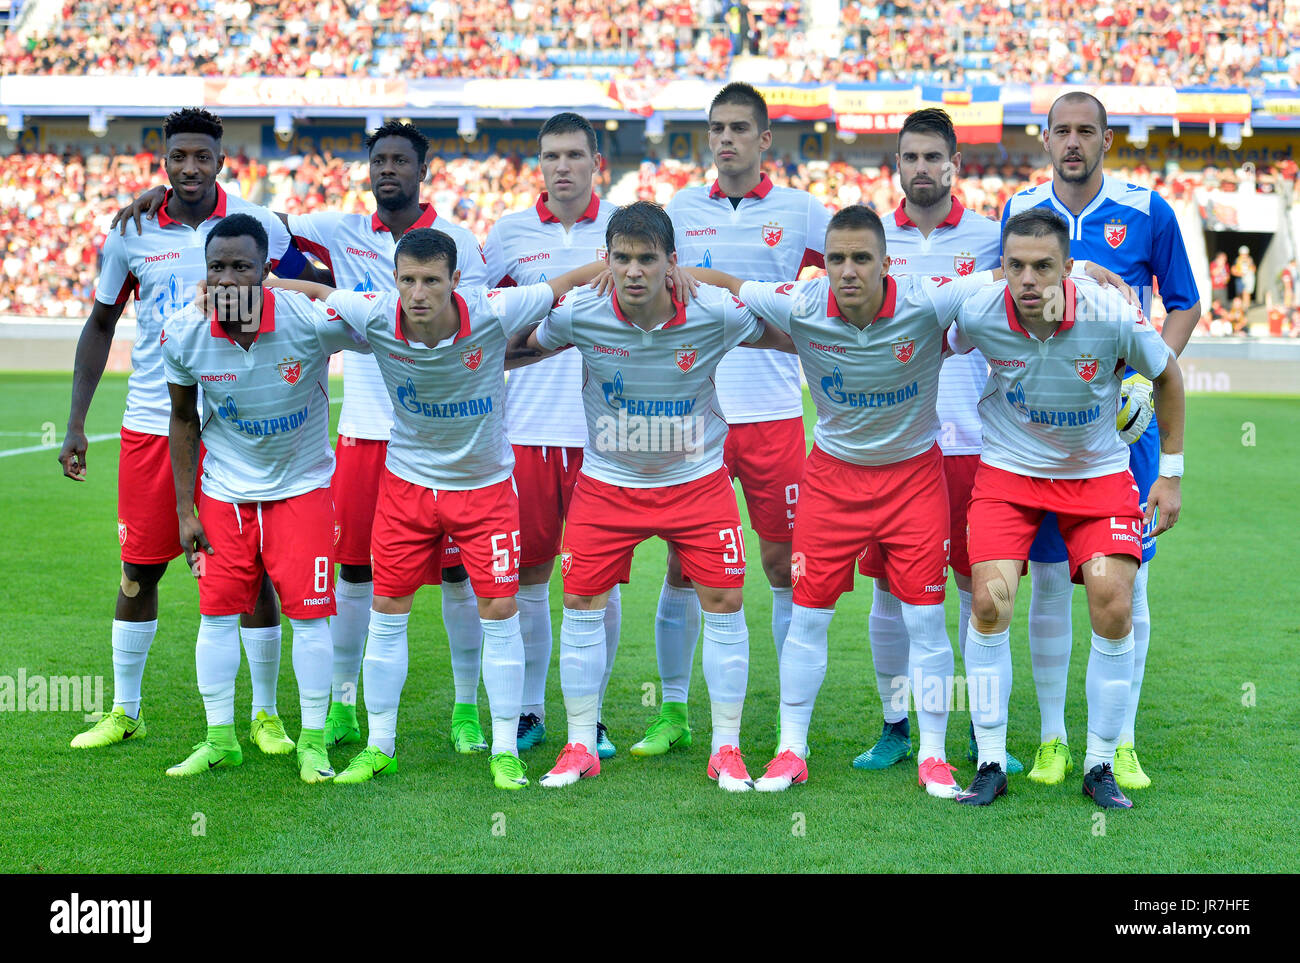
(897, 514)
(411, 523)
(1097, 516)
(291, 540)
(767, 458)
(544, 479)
(606, 523)
(358, 466)
(147, 528)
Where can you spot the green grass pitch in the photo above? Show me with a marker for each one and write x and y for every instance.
(1217, 733)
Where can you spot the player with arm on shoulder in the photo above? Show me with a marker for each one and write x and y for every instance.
(1133, 231)
(160, 263)
(357, 251)
(746, 226)
(1050, 444)
(544, 419)
(265, 506)
(871, 345)
(653, 466)
(441, 349)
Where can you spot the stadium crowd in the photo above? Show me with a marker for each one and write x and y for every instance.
(55, 207)
(1218, 42)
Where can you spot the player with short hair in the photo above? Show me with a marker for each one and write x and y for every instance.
(744, 225)
(931, 234)
(160, 264)
(265, 508)
(441, 350)
(1133, 231)
(1054, 344)
(544, 419)
(357, 251)
(871, 345)
(653, 466)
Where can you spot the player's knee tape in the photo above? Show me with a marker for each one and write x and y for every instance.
(130, 587)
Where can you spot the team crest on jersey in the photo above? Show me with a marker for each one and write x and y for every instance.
(1086, 367)
(1115, 231)
(602, 254)
(121, 532)
(686, 356)
(772, 234)
(904, 349)
(566, 562)
(964, 265)
(472, 357)
(290, 370)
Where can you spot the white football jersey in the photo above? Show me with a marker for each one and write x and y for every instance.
(266, 410)
(358, 248)
(964, 242)
(875, 387)
(651, 406)
(544, 400)
(1049, 406)
(161, 266)
(772, 235)
(447, 398)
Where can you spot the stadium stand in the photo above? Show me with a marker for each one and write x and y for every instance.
(1217, 42)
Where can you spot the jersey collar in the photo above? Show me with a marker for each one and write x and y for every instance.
(461, 308)
(1071, 296)
(427, 216)
(952, 220)
(886, 306)
(761, 191)
(590, 214)
(166, 220)
(265, 325)
(679, 316)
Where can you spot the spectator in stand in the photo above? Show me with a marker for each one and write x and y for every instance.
(1243, 269)
(1220, 275)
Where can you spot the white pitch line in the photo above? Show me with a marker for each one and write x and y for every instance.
(34, 448)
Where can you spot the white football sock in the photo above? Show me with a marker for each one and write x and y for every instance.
(464, 638)
(262, 646)
(1110, 676)
(889, 653)
(677, 628)
(1141, 643)
(930, 669)
(988, 686)
(348, 636)
(216, 663)
(964, 607)
(383, 675)
(534, 603)
(803, 669)
(313, 655)
(503, 677)
(613, 625)
(582, 665)
(131, 641)
(726, 673)
(782, 603)
(1049, 643)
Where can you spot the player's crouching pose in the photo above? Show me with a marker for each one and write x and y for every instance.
(265, 507)
(1054, 345)
(652, 466)
(447, 474)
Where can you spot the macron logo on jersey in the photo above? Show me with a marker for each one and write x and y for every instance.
(406, 398)
(166, 256)
(363, 252)
(833, 386)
